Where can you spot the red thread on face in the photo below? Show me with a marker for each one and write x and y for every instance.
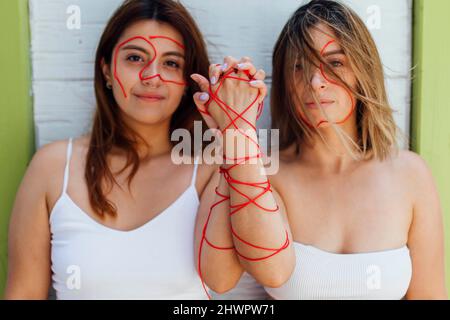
(155, 53)
(264, 186)
(322, 71)
(233, 116)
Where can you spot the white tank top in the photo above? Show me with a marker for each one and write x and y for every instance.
(321, 274)
(154, 261)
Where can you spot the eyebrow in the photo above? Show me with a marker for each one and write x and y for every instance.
(330, 53)
(173, 53)
(168, 53)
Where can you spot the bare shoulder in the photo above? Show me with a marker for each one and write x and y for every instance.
(82, 142)
(48, 165)
(49, 158)
(415, 174)
(410, 159)
(411, 166)
(43, 173)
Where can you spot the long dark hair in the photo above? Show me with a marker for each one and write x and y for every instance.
(109, 130)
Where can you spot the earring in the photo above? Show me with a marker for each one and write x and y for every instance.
(109, 86)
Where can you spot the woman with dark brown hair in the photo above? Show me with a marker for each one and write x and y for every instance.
(110, 215)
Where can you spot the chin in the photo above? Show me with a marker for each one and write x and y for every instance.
(323, 124)
(147, 117)
(152, 119)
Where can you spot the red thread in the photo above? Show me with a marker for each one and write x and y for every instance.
(264, 186)
(116, 76)
(233, 116)
(322, 71)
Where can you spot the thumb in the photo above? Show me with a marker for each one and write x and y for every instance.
(201, 100)
(202, 82)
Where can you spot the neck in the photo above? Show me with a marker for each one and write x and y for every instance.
(154, 140)
(329, 152)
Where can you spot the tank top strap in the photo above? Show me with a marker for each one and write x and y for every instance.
(66, 170)
(194, 174)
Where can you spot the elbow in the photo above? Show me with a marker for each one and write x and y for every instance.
(274, 276)
(221, 286)
(275, 280)
(221, 283)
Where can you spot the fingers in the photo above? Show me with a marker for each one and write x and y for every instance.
(214, 73)
(202, 82)
(246, 59)
(247, 66)
(259, 75)
(217, 70)
(229, 62)
(257, 79)
(259, 84)
(200, 100)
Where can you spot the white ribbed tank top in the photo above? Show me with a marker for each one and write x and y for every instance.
(319, 274)
(154, 261)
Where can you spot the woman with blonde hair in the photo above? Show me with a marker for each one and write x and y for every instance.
(363, 217)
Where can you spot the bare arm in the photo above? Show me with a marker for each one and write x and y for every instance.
(220, 269)
(29, 271)
(426, 237)
(251, 224)
(259, 225)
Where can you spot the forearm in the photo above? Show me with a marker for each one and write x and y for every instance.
(220, 266)
(260, 234)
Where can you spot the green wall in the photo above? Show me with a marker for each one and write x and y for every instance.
(16, 118)
(431, 105)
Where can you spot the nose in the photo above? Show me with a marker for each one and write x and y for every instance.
(318, 81)
(150, 75)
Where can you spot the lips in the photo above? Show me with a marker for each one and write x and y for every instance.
(149, 97)
(323, 103)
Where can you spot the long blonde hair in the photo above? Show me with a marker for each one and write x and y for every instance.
(377, 131)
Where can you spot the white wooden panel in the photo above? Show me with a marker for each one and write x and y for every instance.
(62, 59)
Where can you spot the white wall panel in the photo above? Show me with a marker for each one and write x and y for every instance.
(62, 59)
